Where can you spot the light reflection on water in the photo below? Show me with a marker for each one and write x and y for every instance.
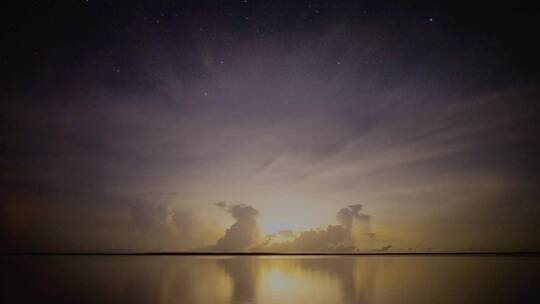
(280, 279)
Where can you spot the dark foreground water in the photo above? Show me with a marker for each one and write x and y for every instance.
(272, 279)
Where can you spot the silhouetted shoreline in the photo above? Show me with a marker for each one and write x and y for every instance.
(521, 253)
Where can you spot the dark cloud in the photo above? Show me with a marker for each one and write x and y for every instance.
(244, 233)
(222, 205)
(351, 218)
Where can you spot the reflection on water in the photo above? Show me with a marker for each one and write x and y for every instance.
(293, 279)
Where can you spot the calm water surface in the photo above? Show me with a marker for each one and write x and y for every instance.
(282, 279)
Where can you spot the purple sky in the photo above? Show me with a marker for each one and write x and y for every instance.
(123, 126)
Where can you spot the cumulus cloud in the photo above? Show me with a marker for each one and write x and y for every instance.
(244, 233)
(286, 233)
(344, 237)
(354, 221)
(313, 240)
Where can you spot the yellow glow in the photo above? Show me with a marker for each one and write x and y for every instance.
(284, 281)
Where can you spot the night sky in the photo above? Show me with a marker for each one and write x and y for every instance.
(269, 125)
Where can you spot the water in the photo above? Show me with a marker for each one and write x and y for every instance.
(275, 279)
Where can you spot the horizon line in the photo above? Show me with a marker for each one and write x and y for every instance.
(210, 253)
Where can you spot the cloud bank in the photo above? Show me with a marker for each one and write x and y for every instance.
(245, 235)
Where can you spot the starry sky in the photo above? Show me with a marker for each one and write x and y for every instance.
(269, 125)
